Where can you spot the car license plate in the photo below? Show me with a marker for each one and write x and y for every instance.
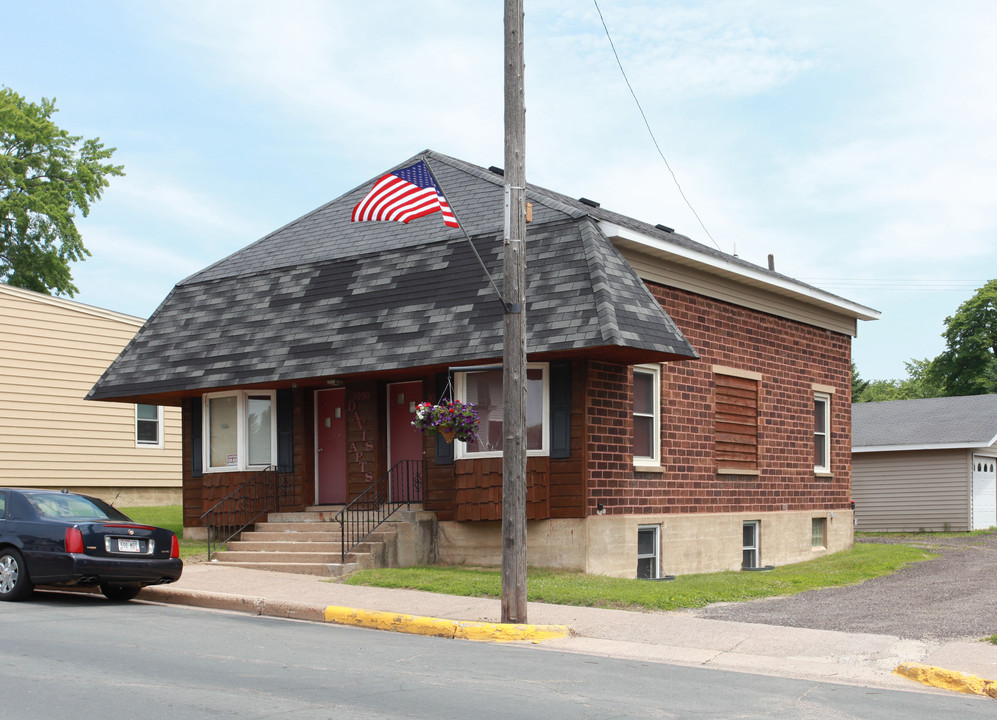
(125, 545)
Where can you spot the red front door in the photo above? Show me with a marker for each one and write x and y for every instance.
(330, 446)
(404, 441)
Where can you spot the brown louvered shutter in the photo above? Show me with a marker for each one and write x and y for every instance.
(737, 423)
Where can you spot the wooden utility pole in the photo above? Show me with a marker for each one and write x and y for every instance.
(514, 353)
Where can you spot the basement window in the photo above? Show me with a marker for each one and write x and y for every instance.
(647, 551)
(818, 533)
(749, 544)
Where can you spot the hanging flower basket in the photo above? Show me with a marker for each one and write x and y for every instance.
(450, 418)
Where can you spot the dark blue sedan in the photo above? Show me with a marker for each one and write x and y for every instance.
(65, 539)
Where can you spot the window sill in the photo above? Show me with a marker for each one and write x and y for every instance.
(737, 471)
(464, 455)
(648, 468)
(820, 474)
(253, 468)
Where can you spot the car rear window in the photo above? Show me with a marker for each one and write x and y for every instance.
(73, 507)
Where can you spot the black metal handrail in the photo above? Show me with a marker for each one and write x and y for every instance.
(401, 486)
(267, 491)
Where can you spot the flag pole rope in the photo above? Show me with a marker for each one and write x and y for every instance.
(506, 306)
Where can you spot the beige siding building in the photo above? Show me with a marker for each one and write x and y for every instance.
(52, 351)
(925, 464)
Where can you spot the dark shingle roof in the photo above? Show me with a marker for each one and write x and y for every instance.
(968, 421)
(323, 297)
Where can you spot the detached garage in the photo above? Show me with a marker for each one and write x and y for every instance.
(925, 464)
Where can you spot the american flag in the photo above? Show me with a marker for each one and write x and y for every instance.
(404, 195)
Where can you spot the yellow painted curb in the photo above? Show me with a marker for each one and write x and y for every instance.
(948, 679)
(436, 627)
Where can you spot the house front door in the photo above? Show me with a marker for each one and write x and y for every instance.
(404, 441)
(330, 447)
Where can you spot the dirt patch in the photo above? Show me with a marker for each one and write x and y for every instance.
(953, 596)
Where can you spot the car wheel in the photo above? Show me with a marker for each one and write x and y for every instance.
(14, 581)
(120, 593)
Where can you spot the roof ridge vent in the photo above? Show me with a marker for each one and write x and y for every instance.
(665, 228)
(586, 201)
(497, 170)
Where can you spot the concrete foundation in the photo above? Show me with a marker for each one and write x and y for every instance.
(607, 545)
(121, 497)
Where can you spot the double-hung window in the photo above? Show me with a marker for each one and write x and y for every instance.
(822, 432)
(749, 544)
(648, 542)
(483, 388)
(149, 425)
(647, 417)
(240, 429)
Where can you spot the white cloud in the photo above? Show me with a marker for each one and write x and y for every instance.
(132, 256)
(359, 76)
(184, 204)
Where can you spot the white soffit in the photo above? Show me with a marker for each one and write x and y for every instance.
(758, 278)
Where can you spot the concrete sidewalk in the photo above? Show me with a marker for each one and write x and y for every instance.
(668, 637)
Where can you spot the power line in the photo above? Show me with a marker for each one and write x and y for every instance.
(648, 126)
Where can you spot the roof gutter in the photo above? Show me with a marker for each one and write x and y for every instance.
(979, 445)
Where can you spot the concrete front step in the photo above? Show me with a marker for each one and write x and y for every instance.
(322, 569)
(295, 527)
(314, 516)
(254, 544)
(327, 513)
(309, 542)
(302, 537)
(278, 557)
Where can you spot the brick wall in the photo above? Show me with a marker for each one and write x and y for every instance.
(790, 357)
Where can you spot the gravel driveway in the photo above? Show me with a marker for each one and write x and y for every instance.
(951, 597)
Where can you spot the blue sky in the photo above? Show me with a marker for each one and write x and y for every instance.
(851, 139)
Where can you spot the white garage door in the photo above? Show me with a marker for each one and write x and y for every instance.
(984, 492)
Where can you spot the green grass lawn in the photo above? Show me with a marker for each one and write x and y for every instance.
(171, 518)
(862, 562)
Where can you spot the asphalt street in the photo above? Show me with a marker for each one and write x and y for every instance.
(67, 654)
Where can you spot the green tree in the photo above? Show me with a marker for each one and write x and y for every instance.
(46, 175)
(968, 366)
(858, 385)
(917, 384)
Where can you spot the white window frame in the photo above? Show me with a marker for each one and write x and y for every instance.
(242, 440)
(158, 442)
(655, 372)
(825, 436)
(460, 382)
(756, 546)
(655, 555)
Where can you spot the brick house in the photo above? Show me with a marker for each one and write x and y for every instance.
(689, 411)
